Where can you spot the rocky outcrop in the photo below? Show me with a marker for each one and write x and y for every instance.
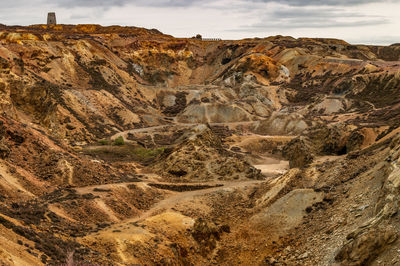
(207, 234)
(329, 140)
(373, 237)
(355, 141)
(282, 123)
(199, 155)
(363, 248)
(213, 113)
(317, 141)
(299, 152)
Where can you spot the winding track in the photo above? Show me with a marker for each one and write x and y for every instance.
(169, 202)
(178, 198)
(151, 129)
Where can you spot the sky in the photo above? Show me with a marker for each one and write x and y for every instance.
(356, 21)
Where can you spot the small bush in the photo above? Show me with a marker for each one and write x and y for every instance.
(119, 141)
(143, 153)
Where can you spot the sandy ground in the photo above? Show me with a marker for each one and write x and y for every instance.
(272, 167)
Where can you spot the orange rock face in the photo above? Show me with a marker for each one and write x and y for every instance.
(103, 160)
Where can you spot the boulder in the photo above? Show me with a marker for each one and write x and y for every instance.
(298, 152)
(364, 248)
(355, 141)
(329, 140)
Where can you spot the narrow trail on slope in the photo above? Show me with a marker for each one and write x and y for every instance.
(170, 202)
(7, 178)
(103, 206)
(181, 197)
(151, 129)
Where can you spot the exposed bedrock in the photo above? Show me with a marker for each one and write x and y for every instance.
(126, 146)
(199, 155)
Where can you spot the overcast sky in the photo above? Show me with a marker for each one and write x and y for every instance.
(356, 21)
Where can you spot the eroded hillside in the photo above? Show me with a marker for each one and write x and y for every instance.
(121, 146)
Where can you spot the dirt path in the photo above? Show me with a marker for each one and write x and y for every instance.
(103, 206)
(144, 130)
(151, 130)
(89, 189)
(181, 197)
(172, 201)
(327, 158)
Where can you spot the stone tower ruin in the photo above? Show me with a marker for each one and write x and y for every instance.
(51, 18)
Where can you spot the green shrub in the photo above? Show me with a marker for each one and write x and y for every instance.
(119, 141)
(119, 151)
(144, 153)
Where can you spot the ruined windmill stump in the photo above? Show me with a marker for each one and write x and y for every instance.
(51, 18)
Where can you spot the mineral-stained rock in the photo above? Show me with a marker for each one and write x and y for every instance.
(67, 88)
(365, 247)
(199, 155)
(281, 123)
(354, 141)
(325, 140)
(329, 140)
(373, 237)
(299, 152)
(206, 233)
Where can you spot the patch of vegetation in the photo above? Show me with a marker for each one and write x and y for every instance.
(119, 141)
(124, 153)
(98, 62)
(148, 153)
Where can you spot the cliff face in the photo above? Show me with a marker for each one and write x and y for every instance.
(172, 191)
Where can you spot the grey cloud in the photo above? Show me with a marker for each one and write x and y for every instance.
(110, 3)
(325, 2)
(78, 17)
(297, 13)
(303, 18)
(88, 3)
(183, 3)
(188, 3)
(309, 23)
(21, 4)
(267, 17)
(381, 40)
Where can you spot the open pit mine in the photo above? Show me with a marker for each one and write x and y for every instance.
(126, 146)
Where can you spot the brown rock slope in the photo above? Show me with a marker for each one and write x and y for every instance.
(122, 145)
